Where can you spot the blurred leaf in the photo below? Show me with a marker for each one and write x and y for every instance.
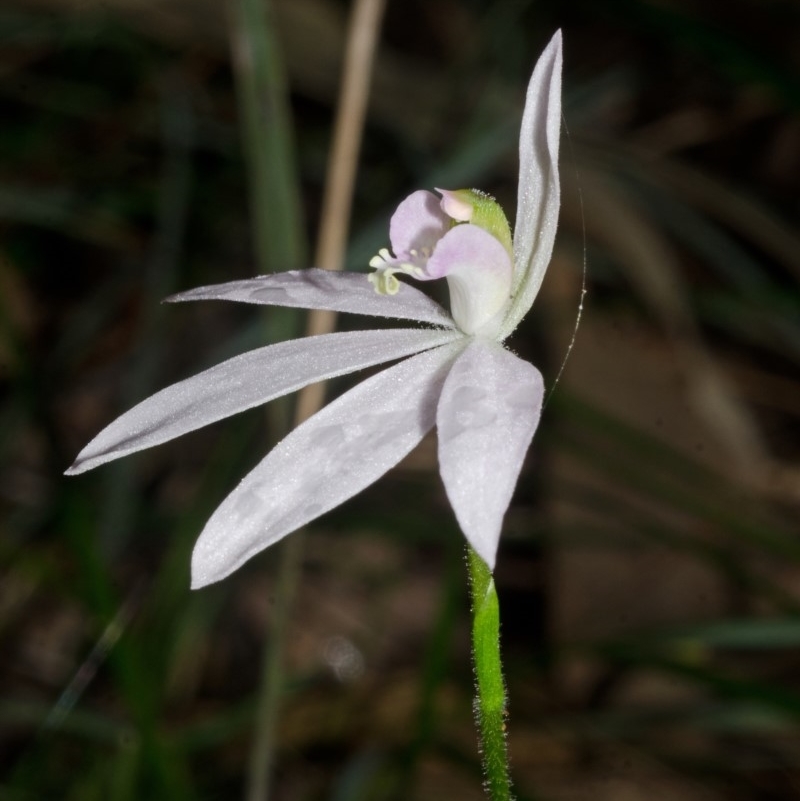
(745, 634)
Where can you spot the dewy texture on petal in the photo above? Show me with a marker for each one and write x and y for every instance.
(332, 456)
(489, 409)
(417, 225)
(323, 289)
(246, 381)
(538, 193)
(478, 272)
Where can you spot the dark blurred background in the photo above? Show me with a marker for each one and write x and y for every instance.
(649, 574)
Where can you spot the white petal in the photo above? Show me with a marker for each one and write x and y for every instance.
(490, 407)
(246, 381)
(332, 456)
(478, 271)
(324, 289)
(539, 194)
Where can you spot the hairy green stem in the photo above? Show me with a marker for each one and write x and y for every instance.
(490, 704)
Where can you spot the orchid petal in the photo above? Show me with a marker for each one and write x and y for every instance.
(489, 409)
(417, 225)
(478, 271)
(246, 381)
(538, 196)
(324, 289)
(332, 456)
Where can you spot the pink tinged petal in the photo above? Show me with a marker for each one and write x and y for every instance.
(478, 271)
(247, 381)
(538, 192)
(323, 289)
(417, 225)
(331, 457)
(489, 409)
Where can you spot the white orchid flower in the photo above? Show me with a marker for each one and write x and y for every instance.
(484, 401)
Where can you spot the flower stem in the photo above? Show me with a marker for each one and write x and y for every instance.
(490, 705)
